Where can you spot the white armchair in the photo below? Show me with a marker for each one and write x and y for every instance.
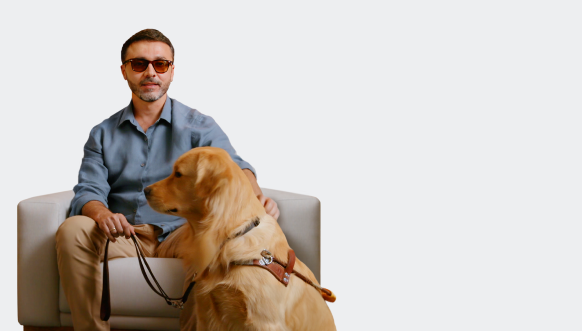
(43, 306)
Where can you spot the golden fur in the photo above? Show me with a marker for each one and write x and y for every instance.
(209, 190)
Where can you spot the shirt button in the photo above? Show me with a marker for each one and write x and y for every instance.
(145, 139)
(135, 210)
(143, 164)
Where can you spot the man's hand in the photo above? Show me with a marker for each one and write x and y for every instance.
(113, 225)
(270, 206)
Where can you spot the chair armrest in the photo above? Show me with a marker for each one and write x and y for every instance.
(300, 220)
(38, 276)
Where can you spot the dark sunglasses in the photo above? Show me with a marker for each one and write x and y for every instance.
(139, 65)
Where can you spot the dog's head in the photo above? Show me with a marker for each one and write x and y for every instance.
(197, 176)
(210, 190)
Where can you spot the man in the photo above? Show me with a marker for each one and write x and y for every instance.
(132, 149)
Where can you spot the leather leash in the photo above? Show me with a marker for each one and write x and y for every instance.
(174, 302)
(278, 269)
(105, 294)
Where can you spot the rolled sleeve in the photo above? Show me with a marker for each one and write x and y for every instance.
(212, 135)
(93, 174)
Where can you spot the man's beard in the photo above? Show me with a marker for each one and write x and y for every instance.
(150, 96)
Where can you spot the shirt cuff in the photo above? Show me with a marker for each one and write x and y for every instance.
(168, 228)
(79, 202)
(246, 165)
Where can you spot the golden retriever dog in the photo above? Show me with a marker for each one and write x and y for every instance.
(213, 194)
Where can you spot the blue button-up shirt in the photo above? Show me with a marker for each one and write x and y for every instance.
(120, 160)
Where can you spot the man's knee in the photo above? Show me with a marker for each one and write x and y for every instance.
(75, 228)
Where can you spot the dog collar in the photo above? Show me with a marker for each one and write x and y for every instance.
(249, 227)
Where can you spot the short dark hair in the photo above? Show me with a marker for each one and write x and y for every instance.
(147, 35)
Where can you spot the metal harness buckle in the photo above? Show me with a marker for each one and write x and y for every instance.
(267, 257)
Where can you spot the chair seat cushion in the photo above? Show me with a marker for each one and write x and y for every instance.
(132, 296)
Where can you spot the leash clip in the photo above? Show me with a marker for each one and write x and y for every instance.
(176, 303)
(267, 257)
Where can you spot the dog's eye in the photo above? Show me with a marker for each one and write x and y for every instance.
(178, 174)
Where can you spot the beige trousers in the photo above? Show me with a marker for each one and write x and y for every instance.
(80, 249)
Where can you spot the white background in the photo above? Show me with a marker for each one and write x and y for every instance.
(442, 138)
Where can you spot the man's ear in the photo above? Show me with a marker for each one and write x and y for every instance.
(123, 71)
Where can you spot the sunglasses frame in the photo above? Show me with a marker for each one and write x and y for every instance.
(149, 62)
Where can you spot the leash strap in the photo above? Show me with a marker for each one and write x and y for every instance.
(105, 298)
(105, 294)
(174, 302)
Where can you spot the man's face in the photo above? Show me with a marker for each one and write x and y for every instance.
(148, 85)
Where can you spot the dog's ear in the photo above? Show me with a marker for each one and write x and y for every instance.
(209, 175)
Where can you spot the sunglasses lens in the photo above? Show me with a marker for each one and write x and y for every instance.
(139, 65)
(161, 66)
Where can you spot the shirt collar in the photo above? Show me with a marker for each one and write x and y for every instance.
(167, 111)
(127, 113)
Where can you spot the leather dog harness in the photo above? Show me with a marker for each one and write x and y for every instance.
(283, 272)
(278, 269)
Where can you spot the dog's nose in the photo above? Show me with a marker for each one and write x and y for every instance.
(147, 191)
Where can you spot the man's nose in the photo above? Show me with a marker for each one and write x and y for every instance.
(150, 71)
(147, 191)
